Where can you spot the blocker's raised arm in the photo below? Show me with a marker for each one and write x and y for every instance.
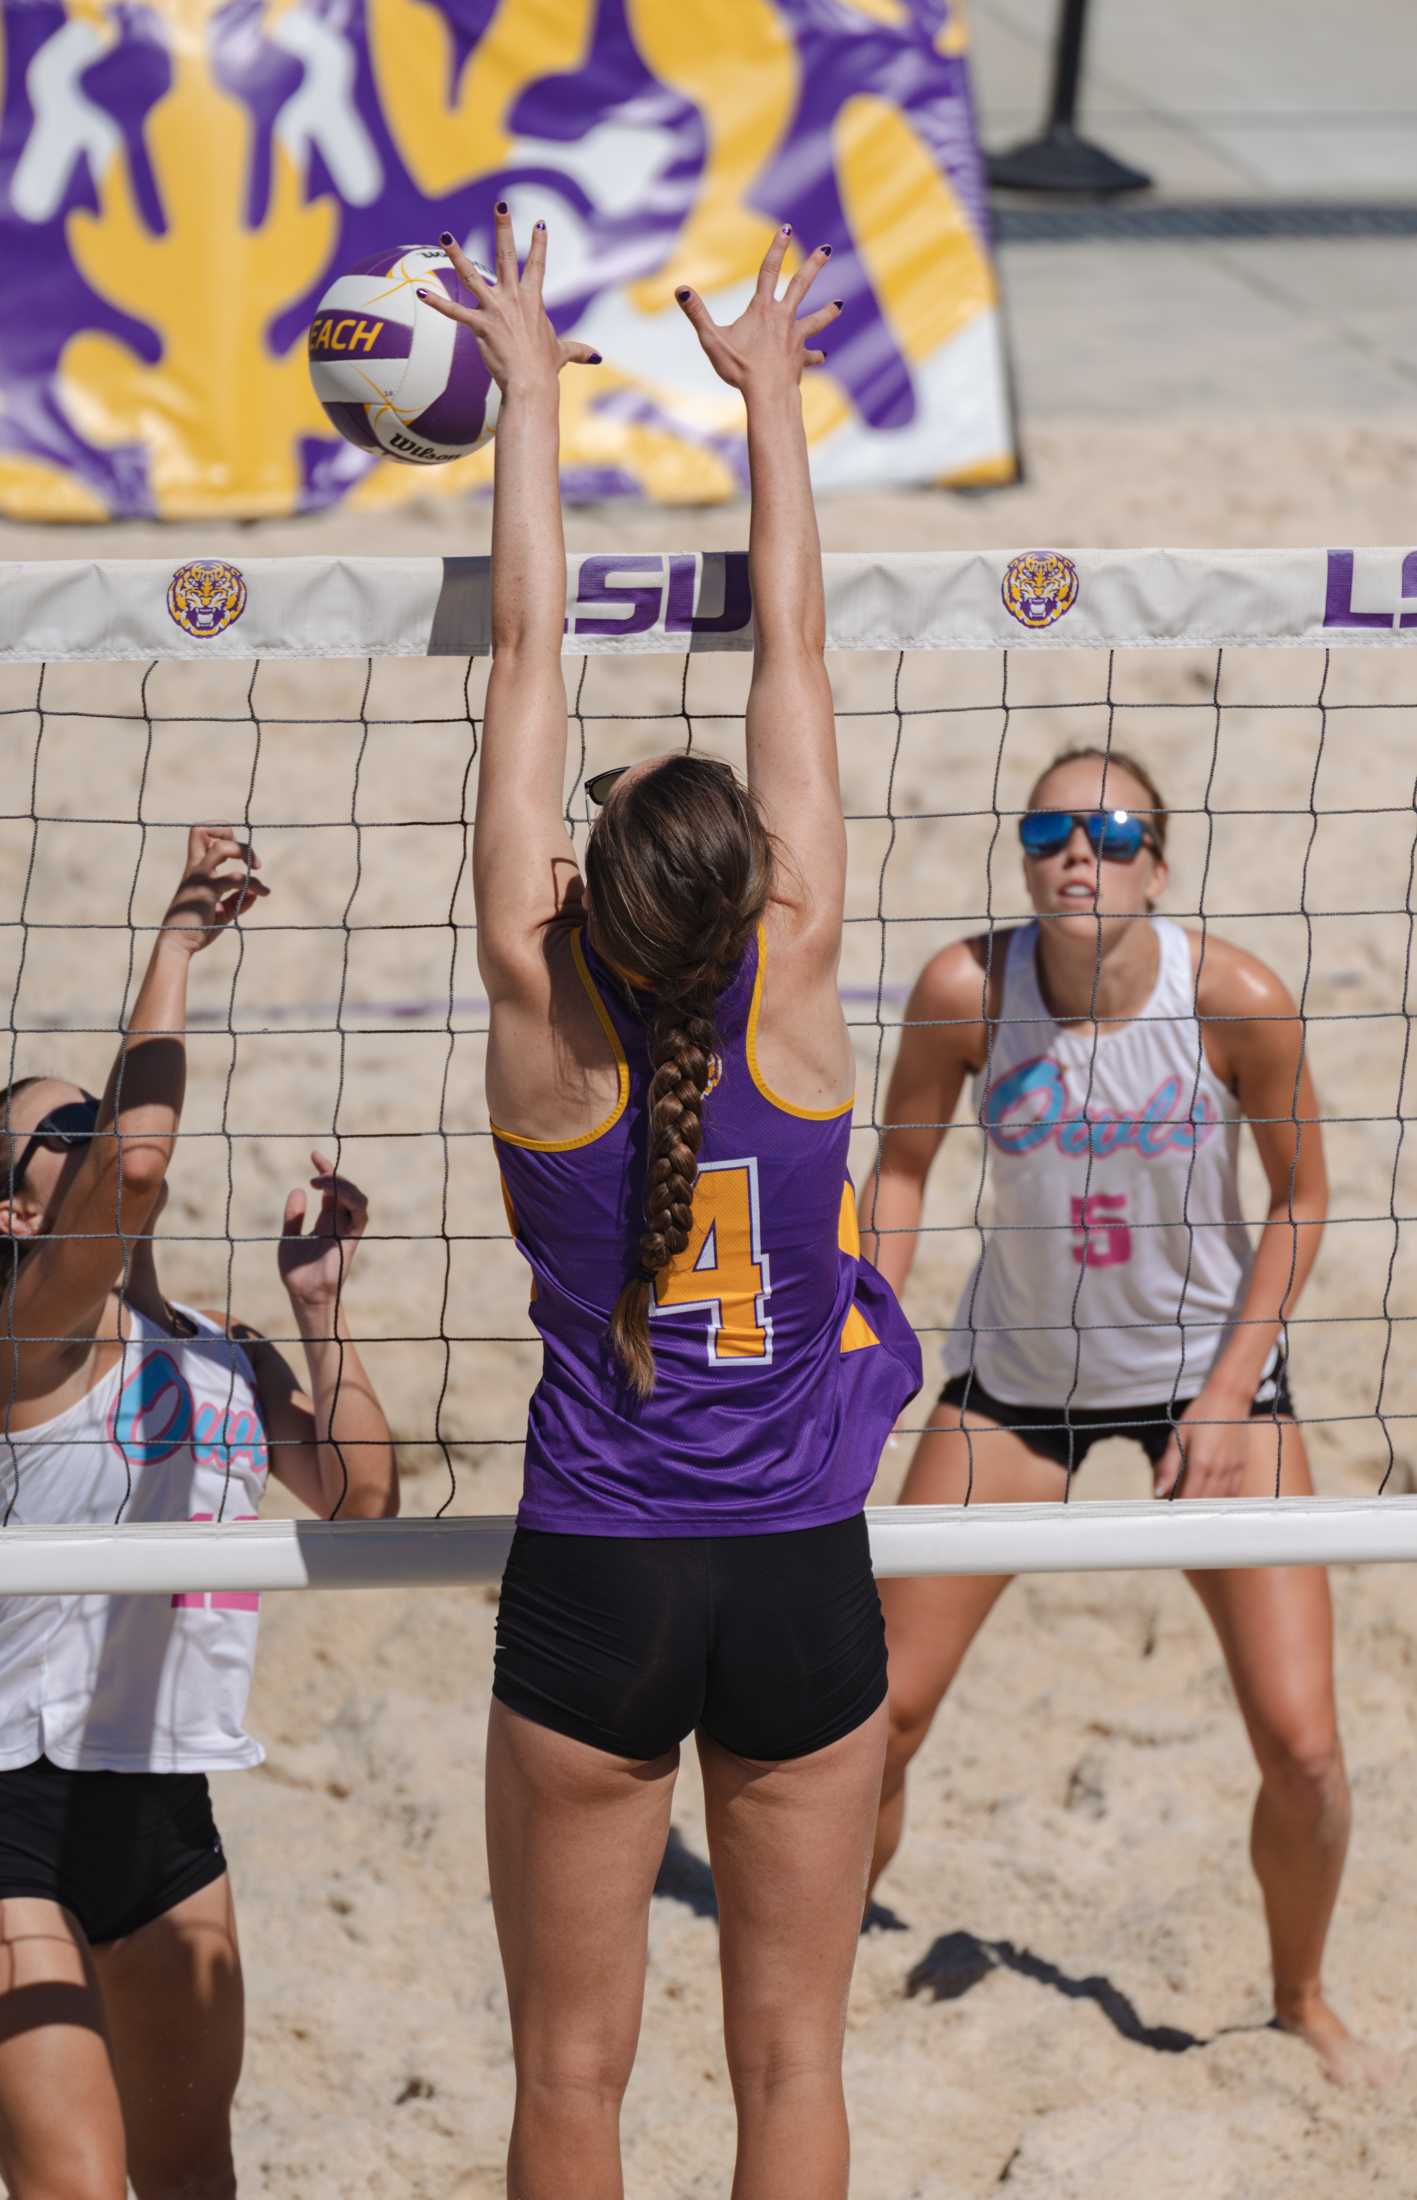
(81, 1249)
(524, 865)
(791, 727)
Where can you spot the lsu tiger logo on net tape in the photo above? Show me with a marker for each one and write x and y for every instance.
(1040, 586)
(206, 596)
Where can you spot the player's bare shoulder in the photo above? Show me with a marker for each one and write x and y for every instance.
(1245, 1008)
(960, 989)
(1230, 981)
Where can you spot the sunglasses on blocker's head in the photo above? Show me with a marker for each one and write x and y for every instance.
(1117, 836)
(599, 784)
(72, 1124)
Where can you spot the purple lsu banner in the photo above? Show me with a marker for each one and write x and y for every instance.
(180, 182)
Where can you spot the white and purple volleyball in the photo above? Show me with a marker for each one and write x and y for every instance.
(396, 376)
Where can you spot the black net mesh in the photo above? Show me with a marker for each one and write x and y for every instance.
(347, 1015)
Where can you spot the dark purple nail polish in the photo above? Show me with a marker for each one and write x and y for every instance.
(838, 303)
(595, 360)
(826, 251)
(681, 295)
(501, 206)
(787, 229)
(445, 236)
(538, 225)
(420, 294)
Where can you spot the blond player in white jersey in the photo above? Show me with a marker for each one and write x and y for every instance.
(1115, 1059)
(121, 2017)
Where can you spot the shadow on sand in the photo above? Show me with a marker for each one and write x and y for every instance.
(684, 1877)
(957, 1962)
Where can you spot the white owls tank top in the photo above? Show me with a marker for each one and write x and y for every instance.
(1115, 1258)
(136, 1683)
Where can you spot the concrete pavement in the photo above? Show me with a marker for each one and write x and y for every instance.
(1223, 97)
(1267, 100)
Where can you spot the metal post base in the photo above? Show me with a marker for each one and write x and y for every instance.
(1060, 160)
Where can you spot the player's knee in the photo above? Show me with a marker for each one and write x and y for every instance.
(909, 1713)
(782, 2055)
(580, 2080)
(1305, 1761)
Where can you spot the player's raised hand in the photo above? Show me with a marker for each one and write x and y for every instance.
(769, 342)
(314, 1265)
(514, 334)
(218, 885)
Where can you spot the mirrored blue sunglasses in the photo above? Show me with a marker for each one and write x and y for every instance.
(1117, 836)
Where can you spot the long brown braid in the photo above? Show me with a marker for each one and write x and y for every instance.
(679, 870)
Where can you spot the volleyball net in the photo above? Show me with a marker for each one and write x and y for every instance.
(332, 710)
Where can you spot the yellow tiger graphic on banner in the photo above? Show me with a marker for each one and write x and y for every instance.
(179, 183)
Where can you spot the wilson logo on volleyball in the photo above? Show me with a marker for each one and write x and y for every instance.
(206, 597)
(1040, 587)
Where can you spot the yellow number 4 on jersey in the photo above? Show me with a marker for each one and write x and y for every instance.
(723, 1269)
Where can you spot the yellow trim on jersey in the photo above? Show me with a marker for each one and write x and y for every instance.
(810, 1115)
(587, 1138)
(856, 1331)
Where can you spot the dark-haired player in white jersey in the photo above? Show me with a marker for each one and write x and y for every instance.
(121, 2002)
(1115, 1061)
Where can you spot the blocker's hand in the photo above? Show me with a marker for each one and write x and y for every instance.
(768, 342)
(218, 885)
(1209, 1448)
(314, 1266)
(514, 335)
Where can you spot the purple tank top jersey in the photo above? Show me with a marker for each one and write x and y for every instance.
(782, 1356)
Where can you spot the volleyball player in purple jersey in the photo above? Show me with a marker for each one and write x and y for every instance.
(1115, 1066)
(670, 1078)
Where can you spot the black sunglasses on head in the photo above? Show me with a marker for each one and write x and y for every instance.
(599, 784)
(72, 1124)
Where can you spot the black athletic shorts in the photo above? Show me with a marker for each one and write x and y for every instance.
(772, 1645)
(1067, 1434)
(116, 1849)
